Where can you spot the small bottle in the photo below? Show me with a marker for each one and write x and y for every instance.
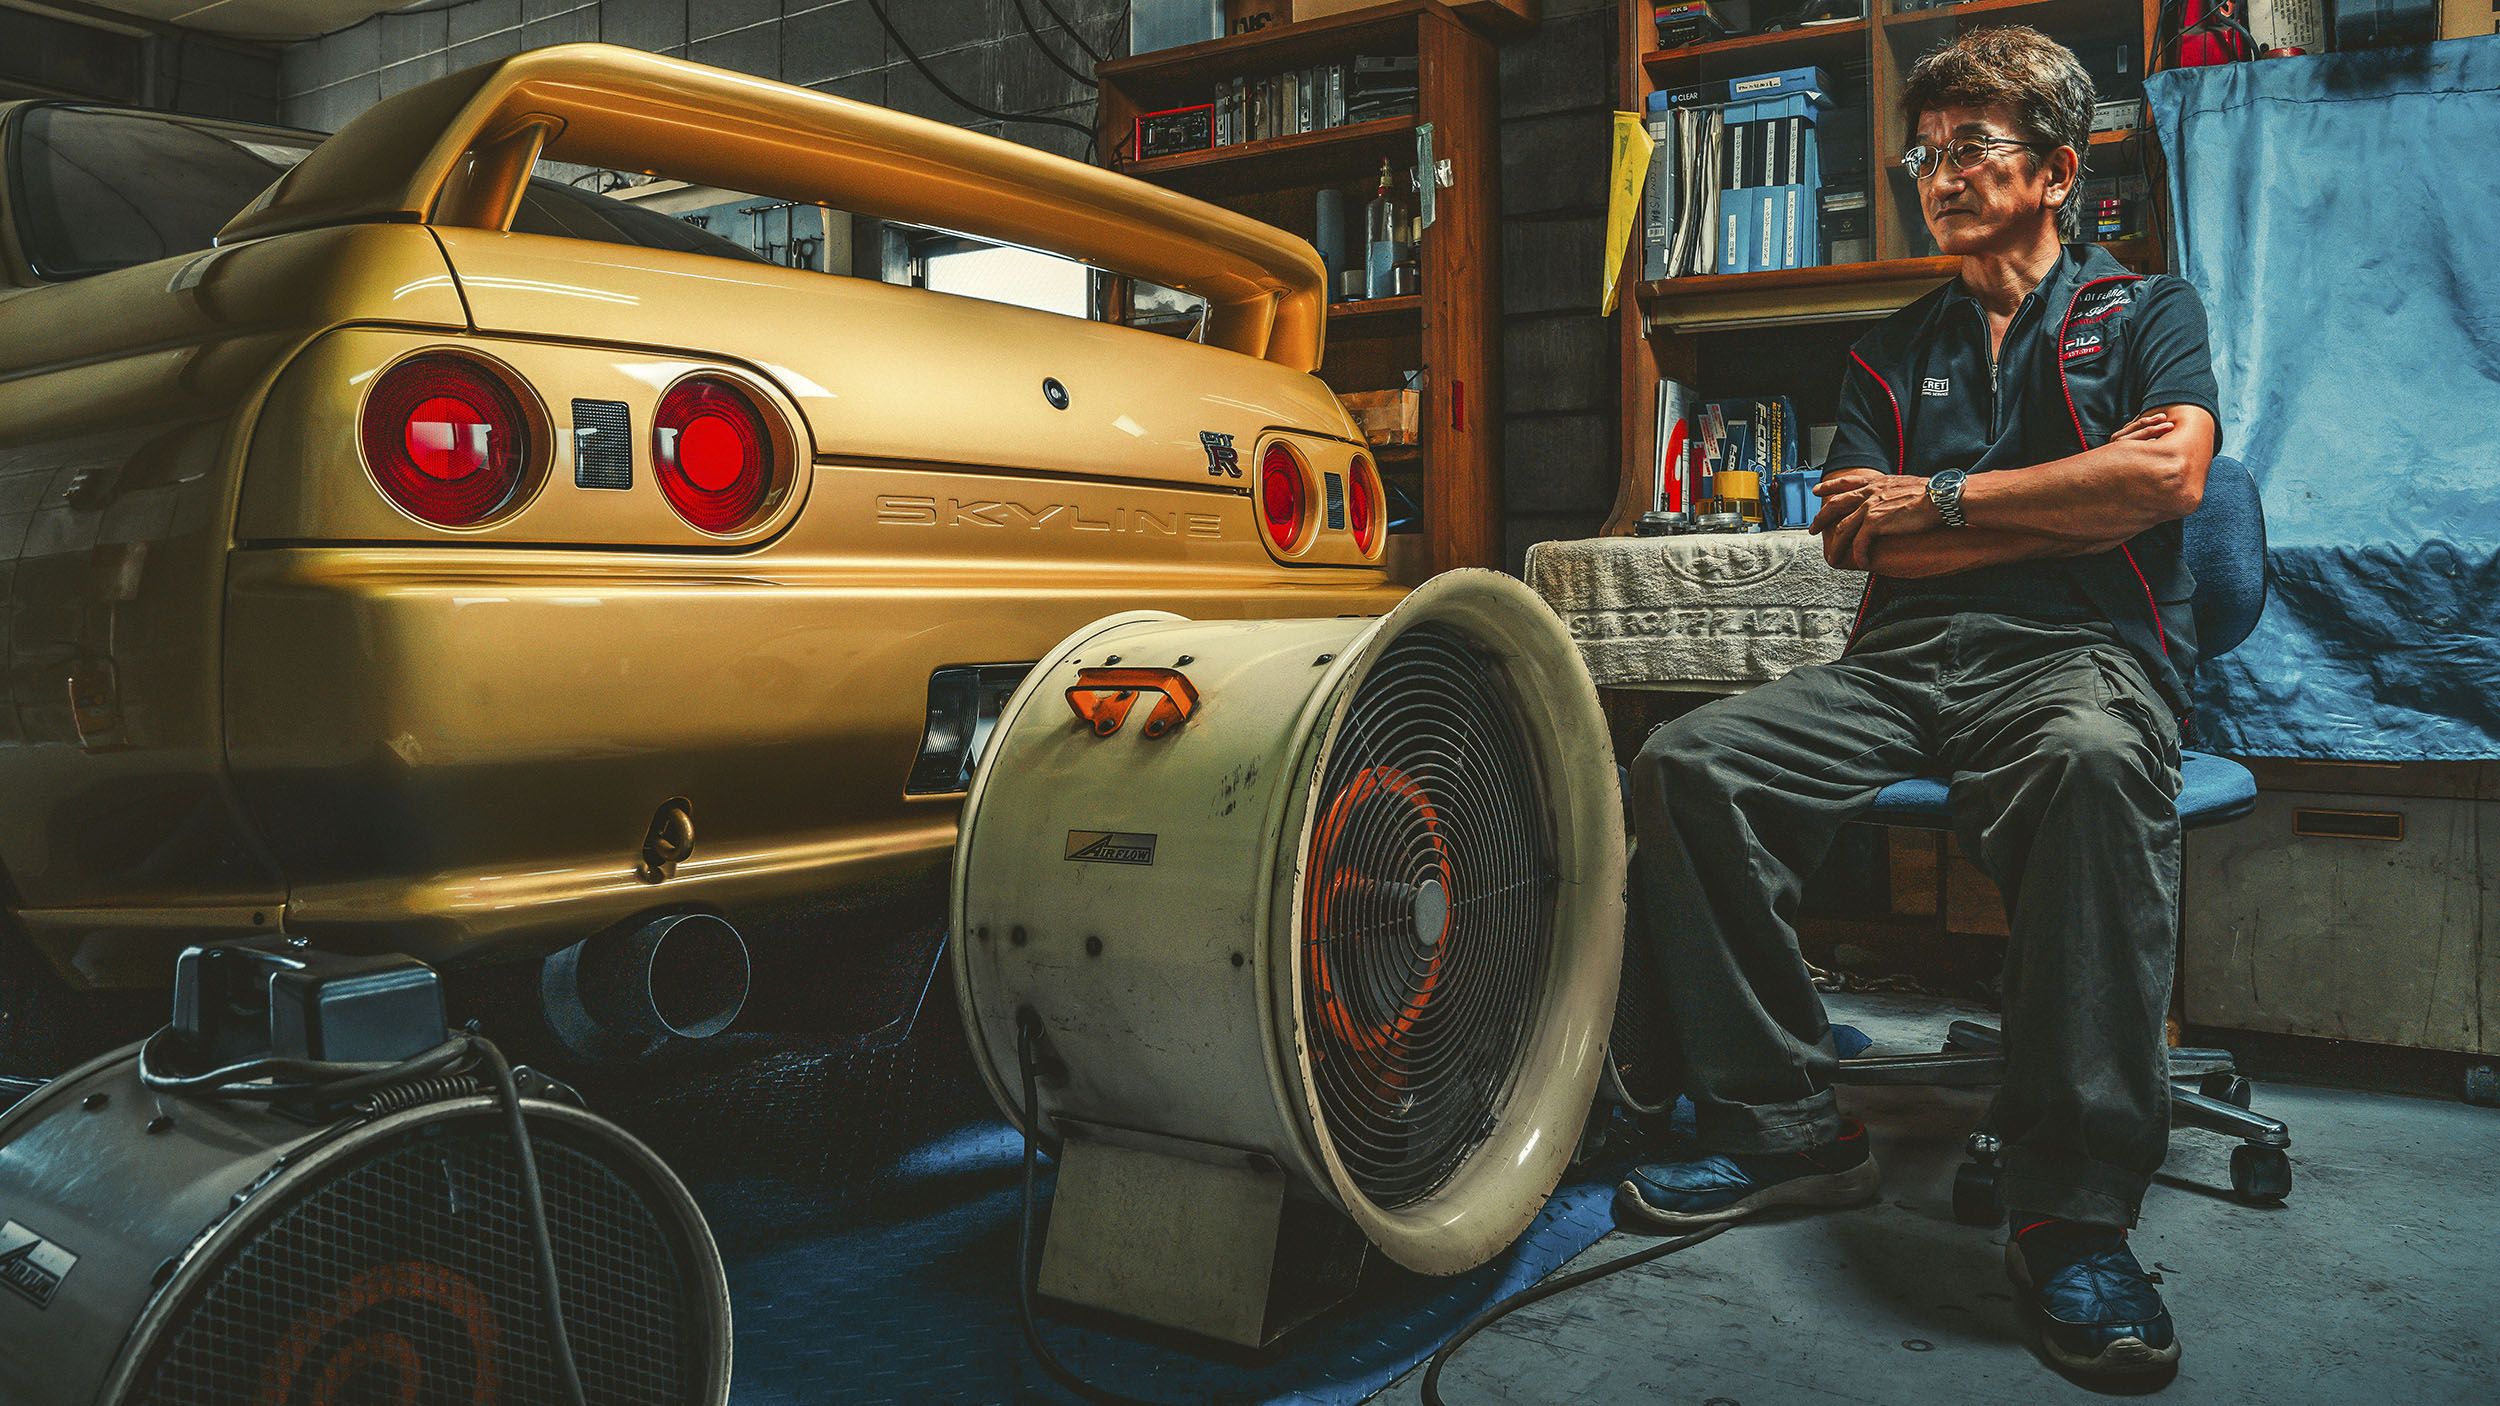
(1380, 235)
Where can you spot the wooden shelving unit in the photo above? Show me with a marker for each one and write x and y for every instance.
(1665, 324)
(1446, 330)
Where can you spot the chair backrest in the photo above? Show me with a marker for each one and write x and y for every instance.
(2226, 549)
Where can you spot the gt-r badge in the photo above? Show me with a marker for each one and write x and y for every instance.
(1222, 459)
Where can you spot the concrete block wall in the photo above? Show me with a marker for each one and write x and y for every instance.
(1559, 375)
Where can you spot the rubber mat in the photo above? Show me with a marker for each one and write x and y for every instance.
(865, 1198)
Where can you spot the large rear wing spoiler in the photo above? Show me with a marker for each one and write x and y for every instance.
(458, 151)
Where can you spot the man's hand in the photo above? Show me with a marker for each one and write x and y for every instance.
(2152, 424)
(1860, 505)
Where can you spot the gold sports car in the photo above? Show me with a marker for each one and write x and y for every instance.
(407, 554)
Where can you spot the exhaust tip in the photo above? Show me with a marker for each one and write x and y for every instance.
(627, 991)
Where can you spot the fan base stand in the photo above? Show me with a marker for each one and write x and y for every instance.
(1191, 1236)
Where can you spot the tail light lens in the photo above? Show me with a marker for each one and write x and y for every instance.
(712, 452)
(1362, 504)
(1282, 497)
(446, 439)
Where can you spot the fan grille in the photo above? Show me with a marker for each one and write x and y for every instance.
(1428, 916)
(408, 1278)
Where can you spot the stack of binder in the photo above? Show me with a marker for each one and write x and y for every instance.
(1734, 176)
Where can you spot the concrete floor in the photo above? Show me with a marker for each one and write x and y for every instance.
(2377, 1281)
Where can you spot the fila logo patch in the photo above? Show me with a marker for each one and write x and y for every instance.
(1935, 385)
(2086, 345)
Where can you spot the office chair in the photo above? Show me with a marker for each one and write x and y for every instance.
(2226, 549)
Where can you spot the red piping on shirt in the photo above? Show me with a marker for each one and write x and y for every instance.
(1900, 459)
(2161, 632)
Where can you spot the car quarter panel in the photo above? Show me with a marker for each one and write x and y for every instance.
(120, 401)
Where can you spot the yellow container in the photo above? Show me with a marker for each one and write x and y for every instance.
(1742, 488)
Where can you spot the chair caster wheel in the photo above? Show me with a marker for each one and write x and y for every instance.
(1975, 1193)
(2260, 1175)
(2225, 1087)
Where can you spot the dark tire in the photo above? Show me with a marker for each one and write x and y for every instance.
(2260, 1175)
(1975, 1193)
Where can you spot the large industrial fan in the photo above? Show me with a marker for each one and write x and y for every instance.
(1304, 934)
(273, 1203)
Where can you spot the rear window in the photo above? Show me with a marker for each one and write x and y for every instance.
(105, 190)
(95, 190)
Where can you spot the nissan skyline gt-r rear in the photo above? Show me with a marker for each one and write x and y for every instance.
(400, 578)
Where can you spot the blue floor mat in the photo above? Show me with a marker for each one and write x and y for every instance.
(868, 1271)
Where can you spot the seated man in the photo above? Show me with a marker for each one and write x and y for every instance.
(2015, 452)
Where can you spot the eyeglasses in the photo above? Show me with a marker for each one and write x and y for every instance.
(1923, 161)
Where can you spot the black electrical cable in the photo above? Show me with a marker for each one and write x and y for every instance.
(1546, 1290)
(877, 8)
(1026, 1021)
(276, 1078)
(1050, 53)
(1075, 33)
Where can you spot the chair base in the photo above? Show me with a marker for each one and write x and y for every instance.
(1974, 1055)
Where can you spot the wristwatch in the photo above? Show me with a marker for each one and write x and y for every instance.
(1945, 491)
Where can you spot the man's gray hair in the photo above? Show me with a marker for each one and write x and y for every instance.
(2033, 76)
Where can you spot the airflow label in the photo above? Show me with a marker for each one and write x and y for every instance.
(32, 1265)
(1110, 847)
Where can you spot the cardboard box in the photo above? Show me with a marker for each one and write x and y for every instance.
(2461, 18)
(1387, 417)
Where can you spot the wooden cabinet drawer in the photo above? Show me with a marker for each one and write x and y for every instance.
(2350, 916)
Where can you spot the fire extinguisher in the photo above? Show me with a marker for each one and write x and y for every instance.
(2194, 33)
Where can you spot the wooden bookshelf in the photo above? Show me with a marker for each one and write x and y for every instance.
(1686, 328)
(1445, 331)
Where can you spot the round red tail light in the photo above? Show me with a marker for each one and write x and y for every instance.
(1362, 504)
(1281, 496)
(445, 438)
(713, 454)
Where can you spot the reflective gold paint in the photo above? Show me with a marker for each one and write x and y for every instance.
(246, 690)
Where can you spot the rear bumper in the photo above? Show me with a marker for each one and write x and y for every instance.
(458, 753)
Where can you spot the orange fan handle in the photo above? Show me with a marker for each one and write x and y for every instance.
(1101, 698)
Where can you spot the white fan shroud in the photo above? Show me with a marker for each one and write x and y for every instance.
(1162, 1032)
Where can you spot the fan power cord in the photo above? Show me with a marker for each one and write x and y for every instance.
(1028, 1027)
(271, 1078)
(1546, 1290)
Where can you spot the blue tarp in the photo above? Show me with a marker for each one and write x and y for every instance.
(2341, 217)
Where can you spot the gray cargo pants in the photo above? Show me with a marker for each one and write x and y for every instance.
(2065, 774)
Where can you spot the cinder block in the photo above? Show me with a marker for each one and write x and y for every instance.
(1559, 464)
(405, 37)
(969, 72)
(1029, 82)
(328, 109)
(658, 26)
(868, 87)
(1522, 532)
(1565, 362)
(500, 44)
(571, 27)
(400, 77)
(1557, 163)
(756, 51)
(935, 26)
(351, 51)
(714, 17)
(479, 18)
(1552, 265)
(1566, 64)
(549, 9)
(831, 41)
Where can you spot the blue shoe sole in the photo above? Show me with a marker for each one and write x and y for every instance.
(1852, 1187)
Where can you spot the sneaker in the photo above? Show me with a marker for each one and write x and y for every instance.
(2099, 1312)
(1721, 1187)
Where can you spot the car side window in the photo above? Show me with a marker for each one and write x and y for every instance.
(95, 191)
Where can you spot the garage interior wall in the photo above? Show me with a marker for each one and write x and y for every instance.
(1559, 381)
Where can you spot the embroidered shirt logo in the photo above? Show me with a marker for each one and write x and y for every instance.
(1935, 385)
(2088, 344)
(1222, 458)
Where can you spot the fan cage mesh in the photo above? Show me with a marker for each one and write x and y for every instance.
(1428, 915)
(407, 1277)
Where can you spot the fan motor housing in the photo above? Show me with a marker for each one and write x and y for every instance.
(201, 1251)
(1147, 898)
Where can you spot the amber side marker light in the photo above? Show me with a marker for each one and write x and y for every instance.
(446, 439)
(713, 454)
(1282, 499)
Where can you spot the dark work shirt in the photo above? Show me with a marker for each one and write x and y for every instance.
(1962, 409)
